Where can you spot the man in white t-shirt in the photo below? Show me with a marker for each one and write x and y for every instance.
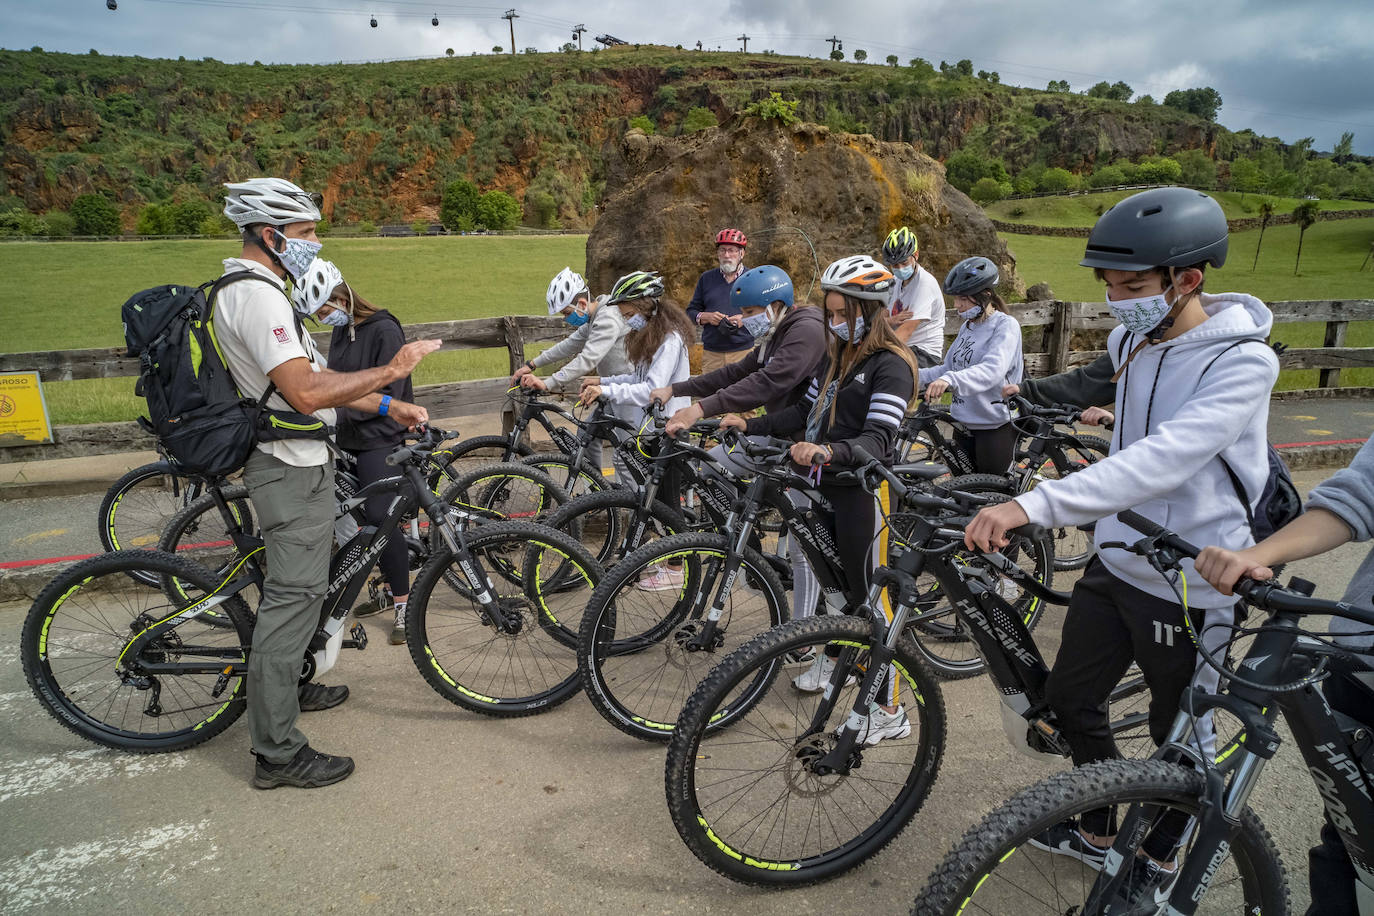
(291, 482)
(916, 308)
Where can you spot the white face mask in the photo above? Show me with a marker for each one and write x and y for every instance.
(335, 319)
(1141, 315)
(842, 329)
(297, 255)
(970, 314)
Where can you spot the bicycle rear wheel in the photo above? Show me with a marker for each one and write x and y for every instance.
(138, 506)
(995, 869)
(748, 799)
(460, 651)
(201, 533)
(1073, 544)
(80, 658)
(641, 651)
(469, 455)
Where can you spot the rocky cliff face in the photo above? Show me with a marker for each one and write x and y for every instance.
(803, 194)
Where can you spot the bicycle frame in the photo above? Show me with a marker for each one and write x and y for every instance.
(1335, 747)
(926, 421)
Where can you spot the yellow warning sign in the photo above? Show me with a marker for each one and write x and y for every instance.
(23, 412)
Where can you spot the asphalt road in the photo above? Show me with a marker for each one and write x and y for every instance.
(452, 812)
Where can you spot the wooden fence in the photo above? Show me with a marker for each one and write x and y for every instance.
(1057, 321)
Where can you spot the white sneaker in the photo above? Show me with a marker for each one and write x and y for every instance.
(880, 725)
(814, 679)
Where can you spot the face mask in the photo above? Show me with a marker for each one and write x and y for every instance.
(1142, 315)
(904, 273)
(758, 325)
(970, 314)
(637, 322)
(842, 331)
(295, 258)
(335, 319)
(577, 319)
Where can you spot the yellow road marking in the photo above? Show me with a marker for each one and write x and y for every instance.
(1301, 417)
(143, 540)
(40, 535)
(1320, 432)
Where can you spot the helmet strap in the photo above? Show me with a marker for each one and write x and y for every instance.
(352, 335)
(272, 253)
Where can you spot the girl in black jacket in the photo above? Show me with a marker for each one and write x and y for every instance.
(365, 337)
(858, 398)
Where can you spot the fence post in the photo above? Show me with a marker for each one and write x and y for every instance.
(515, 348)
(1335, 337)
(1060, 338)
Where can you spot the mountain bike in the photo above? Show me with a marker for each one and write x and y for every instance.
(1183, 809)
(137, 506)
(788, 794)
(132, 668)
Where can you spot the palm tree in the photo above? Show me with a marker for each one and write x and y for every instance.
(1266, 212)
(1305, 214)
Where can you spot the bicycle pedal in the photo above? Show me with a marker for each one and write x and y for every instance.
(359, 637)
(222, 682)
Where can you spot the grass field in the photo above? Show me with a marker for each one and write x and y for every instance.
(1084, 209)
(66, 295)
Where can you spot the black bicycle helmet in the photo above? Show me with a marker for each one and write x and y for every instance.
(1162, 227)
(639, 284)
(899, 245)
(971, 276)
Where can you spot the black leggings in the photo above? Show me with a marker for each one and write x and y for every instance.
(394, 561)
(991, 449)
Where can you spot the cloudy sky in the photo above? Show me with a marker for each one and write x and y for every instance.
(1291, 69)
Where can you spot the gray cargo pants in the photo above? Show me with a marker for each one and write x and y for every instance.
(295, 510)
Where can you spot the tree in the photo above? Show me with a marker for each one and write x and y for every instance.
(458, 208)
(773, 108)
(965, 168)
(643, 123)
(1107, 176)
(498, 210)
(1146, 99)
(892, 60)
(964, 67)
(1246, 177)
(836, 54)
(1117, 92)
(1199, 171)
(1298, 153)
(1057, 86)
(1304, 214)
(448, 52)
(188, 215)
(1343, 150)
(496, 49)
(1054, 180)
(1266, 213)
(988, 190)
(1158, 170)
(94, 215)
(59, 224)
(698, 119)
(1204, 102)
(155, 219)
(860, 55)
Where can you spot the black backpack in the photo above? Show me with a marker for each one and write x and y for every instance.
(202, 422)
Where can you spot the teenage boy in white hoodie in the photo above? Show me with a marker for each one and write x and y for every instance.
(1193, 377)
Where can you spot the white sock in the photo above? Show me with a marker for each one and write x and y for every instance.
(401, 612)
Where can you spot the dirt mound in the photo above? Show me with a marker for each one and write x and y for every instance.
(803, 194)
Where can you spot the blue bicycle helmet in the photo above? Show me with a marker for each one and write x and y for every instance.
(762, 286)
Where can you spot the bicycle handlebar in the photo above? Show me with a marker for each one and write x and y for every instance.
(1269, 595)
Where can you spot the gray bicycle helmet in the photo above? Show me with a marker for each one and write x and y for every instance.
(971, 276)
(639, 284)
(1162, 227)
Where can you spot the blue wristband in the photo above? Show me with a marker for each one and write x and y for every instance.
(386, 405)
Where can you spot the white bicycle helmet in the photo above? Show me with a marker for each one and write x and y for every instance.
(859, 276)
(314, 289)
(273, 201)
(564, 289)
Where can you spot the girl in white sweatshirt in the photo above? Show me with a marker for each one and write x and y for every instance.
(1193, 377)
(985, 356)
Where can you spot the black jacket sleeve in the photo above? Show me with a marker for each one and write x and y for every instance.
(1086, 386)
(789, 421)
(712, 382)
(793, 358)
(891, 385)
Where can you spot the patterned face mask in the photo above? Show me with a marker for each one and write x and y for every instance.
(1140, 315)
(842, 330)
(297, 255)
(335, 319)
(637, 322)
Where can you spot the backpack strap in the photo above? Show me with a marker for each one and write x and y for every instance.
(1230, 472)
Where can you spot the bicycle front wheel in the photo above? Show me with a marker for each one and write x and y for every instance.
(752, 803)
(526, 665)
(995, 869)
(647, 637)
(85, 660)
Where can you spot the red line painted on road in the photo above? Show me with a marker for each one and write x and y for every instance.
(1322, 442)
(20, 564)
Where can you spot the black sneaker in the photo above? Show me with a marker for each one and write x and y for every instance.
(1064, 839)
(309, 769)
(1146, 889)
(314, 696)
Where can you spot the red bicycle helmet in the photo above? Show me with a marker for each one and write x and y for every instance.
(731, 237)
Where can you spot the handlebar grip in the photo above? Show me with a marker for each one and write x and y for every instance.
(1142, 524)
(1030, 531)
